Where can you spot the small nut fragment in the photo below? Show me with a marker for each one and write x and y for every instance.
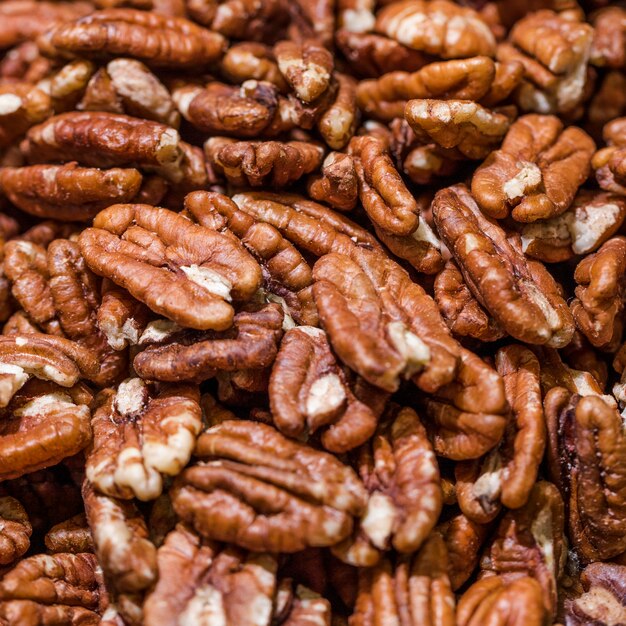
(72, 535)
(262, 491)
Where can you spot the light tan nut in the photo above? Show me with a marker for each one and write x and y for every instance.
(520, 294)
(262, 491)
(537, 172)
(67, 192)
(465, 125)
(160, 41)
(307, 67)
(339, 118)
(440, 28)
(555, 52)
(142, 432)
(252, 61)
(130, 244)
(599, 302)
(259, 163)
(310, 391)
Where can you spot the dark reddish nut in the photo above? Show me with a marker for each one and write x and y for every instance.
(67, 192)
(537, 171)
(264, 492)
(16, 530)
(151, 251)
(520, 294)
(600, 294)
(142, 433)
(159, 40)
(309, 391)
(72, 535)
(251, 343)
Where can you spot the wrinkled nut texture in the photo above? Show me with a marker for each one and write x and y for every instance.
(199, 580)
(400, 472)
(120, 536)
(258, 163)
(16, 530)
(68, 192)
(263, 492)
(42, 425)
(414, 591)
(520, 294)
(537, 171)
(599, 302)
(309, 391)
(470, 128)
(440, 28)
(584, 456)
(160, 41)
(72, 535)
(338, 184)
(250, 344)
(555, 52)
(141, 433)
(591, 219)
(155, 253)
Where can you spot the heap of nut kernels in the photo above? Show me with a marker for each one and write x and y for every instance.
(313, 313)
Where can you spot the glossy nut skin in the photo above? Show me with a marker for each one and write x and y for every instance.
(220, 497)
(115, 248)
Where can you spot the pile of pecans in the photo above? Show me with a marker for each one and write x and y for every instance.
(312, 313)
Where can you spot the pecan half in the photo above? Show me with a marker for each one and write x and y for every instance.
(21, 106)
(264, 492)
(141, 433)
(520, 294)
(599, 302)
(309, 390)
(16, 530)
(440, 28)
(72, 535)
(537, 172)
(151, 251)
(159, 40)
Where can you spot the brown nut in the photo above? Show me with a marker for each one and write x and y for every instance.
(141, 434)
(599, 302)
(460, 310)
(507, 474)
(338, 184)
(536, 173)
(252, 61)
(608, 48)
(530, 541)
(258, 163)
(72, 535)
(307, 67)
(608, 101)
(287, 275)
(42, 425)
(517, 603)
(415, 591)
(21, 106)
(102, 139)
(584, 457)
(252, 490)
(55, 579)
(602, 601)
(312, 19)
(159, 40)
(384, 196)
(339, 118)
(149, 251)
(67, 192)
(251, 343)
(400, 471)
(120, 536)
(555, 52)
(371, 55)
(128, 86)
(16, 530)
(463, 79)
(440, 28)
(520, 294)
(610, 162)
(470, 128)
(589, 222)
(308, 390)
